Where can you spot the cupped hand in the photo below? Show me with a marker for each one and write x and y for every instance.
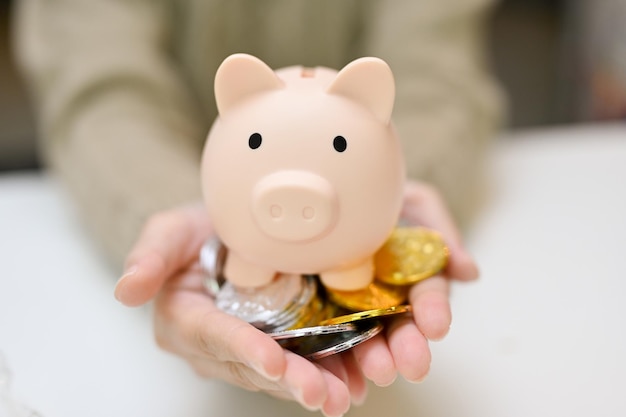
(403, 348)
(163, 267)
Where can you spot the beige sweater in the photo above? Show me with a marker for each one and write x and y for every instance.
(124, 88)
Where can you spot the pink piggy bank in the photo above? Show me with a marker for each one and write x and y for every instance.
(302, 171)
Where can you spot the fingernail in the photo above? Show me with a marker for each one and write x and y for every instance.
(359, 400)
(417, 381)
(386, 384)
(420, 379)
(260, 369)
(297, 395)
(473, 272)
(466, 265)
(119, 286)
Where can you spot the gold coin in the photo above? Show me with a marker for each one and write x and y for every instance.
(410, 255)
(370, 314)
(377, 295)
(317, 311)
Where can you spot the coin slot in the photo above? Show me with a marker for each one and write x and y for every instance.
(307, 72)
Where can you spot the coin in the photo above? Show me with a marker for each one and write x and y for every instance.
(312, 331)
(323, 345)
(362, 316)
(305, 309)
(410, 255)
(376, 295)
(275, 306)
(316, 311)
(212, 257)
(289, 301)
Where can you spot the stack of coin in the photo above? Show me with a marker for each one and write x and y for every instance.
(327, 339)
(313, 321)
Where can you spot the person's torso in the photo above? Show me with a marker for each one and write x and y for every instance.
(280, 32)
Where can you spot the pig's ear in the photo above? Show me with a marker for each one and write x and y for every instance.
(368, 81)
(239, 76)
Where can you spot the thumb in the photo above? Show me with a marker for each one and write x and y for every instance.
(169, 241)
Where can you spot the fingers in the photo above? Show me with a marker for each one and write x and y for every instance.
(376, 361)
(305, 382)
(188, 323)
(219, 345)
(338, 400)
(423, 205)
(408, 337)
(227, 339)
(328, 385)
(405, 349)
(314, 387)
(356, 381)
(141, 281)
(409, 348)
(335, 365)
(169, 241)
(431, 307)
(345, 368)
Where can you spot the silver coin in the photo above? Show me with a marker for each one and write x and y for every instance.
(288, 301)
(260, 306)
(312, 331)
(212, 258)
(321, 346)
(302, 311)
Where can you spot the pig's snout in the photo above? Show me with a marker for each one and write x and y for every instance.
(294, 206)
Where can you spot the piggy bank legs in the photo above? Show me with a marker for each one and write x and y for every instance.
(353, 278)
(242, 273)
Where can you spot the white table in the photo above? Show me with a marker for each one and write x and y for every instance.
(542, 334)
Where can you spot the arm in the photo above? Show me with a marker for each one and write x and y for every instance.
(117, 123)
(447, 106)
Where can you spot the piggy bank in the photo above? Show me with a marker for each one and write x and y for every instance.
(302, 171)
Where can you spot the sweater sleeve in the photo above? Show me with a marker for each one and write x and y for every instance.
(447, 106)
(118, 124)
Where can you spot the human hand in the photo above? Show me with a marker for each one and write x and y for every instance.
(163, 266)
(403, 346)
(187, 323)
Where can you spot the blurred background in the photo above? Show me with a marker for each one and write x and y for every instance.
(560, 62)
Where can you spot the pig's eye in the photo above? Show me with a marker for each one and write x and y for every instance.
(340, 144)
(255, 140)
